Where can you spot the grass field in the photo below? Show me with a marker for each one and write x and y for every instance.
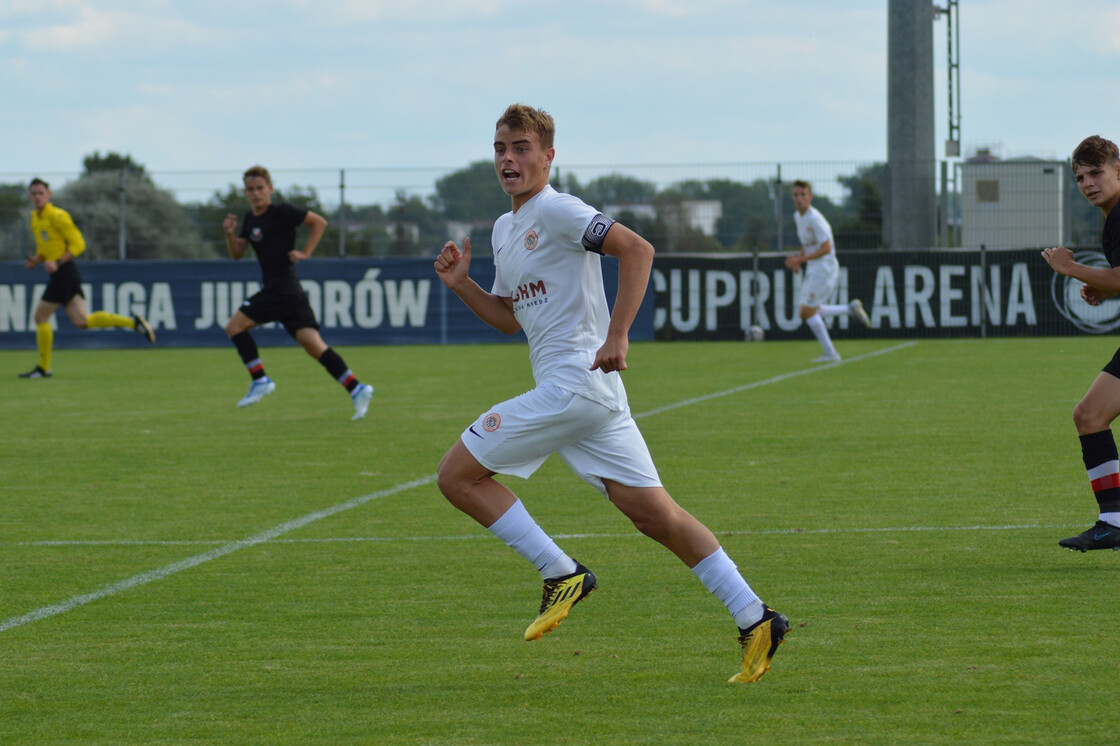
(174, 569)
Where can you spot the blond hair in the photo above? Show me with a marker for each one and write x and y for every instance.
(527, 119)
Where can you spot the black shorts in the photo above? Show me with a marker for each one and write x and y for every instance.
(290, 307)
(1113, 367)
(64, 284)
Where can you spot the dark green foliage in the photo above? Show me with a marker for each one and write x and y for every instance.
(156, 225)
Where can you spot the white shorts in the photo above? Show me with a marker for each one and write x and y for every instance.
(817, 286)
(518, 435)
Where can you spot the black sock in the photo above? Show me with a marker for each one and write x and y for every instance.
(247, 349)
(1098, 450)
(336, 366)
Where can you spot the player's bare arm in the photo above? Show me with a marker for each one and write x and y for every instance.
(796, 261)
(452, 266)
(51, 265)
(235, 244)
(635, 260)
(318, 225)
(1092, 296)
(1105, 280)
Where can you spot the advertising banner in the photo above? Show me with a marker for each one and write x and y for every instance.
(356, 301)
(906, 294)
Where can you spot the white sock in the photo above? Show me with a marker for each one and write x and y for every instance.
(720, 576)
(831, 310)
(1113, 519)
(820, 331)
(522, 534)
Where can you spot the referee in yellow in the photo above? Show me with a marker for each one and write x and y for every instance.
(57, 242)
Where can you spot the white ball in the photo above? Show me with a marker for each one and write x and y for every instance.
(755, 334)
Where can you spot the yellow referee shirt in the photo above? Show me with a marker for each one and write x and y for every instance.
(55, 233)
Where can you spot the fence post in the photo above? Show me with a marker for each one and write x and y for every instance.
(943, 222)
(781, 245)
(778, 206)
(983, 291)
(342, 212)
(121, 231)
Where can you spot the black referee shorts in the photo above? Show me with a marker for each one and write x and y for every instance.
(65, 283)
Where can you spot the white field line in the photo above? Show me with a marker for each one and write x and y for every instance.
(476, 536)
(153, 575)
(275, 532)
(775, 379)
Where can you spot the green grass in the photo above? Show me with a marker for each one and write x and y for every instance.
(903, 509)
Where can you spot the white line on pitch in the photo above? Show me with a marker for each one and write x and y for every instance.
(472, 537)
(153, 575)
(273, 533)
(775, 379)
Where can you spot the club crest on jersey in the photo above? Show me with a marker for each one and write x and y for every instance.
(491, 422)
(531, 239)
(256, 234)
(46, 236)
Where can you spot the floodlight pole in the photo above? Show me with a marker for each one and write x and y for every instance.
(952, 34)
(951, 12)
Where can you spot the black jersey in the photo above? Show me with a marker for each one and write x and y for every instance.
(1110, 241)
(273, 235)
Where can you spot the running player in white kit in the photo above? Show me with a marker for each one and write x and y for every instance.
(549, 283)
(822, 271)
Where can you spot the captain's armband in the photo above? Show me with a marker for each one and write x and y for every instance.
(596, 233)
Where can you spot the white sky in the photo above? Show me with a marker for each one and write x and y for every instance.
(301, 84)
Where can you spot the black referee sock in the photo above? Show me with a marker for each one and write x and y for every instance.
(336, 366)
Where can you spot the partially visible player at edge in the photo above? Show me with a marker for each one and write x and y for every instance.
(1096, 167)
(822, 272)
(549, 282)
(57, 242)
(271, 229)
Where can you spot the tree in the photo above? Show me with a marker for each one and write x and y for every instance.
(471, 195)
(614, 189)
(860, 224)
(96, 163)
(15, 236)
(156, 226)
(414, 228)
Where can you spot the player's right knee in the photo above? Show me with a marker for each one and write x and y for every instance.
(1087, 419)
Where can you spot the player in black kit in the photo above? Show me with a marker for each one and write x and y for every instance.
(271, 229)
(1096, 167)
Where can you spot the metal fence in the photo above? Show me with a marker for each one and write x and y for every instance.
(681, 209)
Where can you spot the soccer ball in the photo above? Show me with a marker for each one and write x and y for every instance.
(755, 334)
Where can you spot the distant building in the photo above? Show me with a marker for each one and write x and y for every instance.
(1012, 204)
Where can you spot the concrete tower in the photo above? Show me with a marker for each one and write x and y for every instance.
(911, 209)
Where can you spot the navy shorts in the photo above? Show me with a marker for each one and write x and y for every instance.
(64, 284)
(1113, 367)
(290, 307)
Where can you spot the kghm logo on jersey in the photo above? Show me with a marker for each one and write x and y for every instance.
(531, 239)
(530, 290)
(491, 422)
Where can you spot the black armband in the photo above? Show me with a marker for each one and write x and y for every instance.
(596, 233)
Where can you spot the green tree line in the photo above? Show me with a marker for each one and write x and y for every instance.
(467, 201)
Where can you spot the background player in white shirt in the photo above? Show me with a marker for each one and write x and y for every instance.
(818, 257)
(548, 281)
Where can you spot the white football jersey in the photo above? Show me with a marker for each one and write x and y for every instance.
(556, 284)
(812, 231)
